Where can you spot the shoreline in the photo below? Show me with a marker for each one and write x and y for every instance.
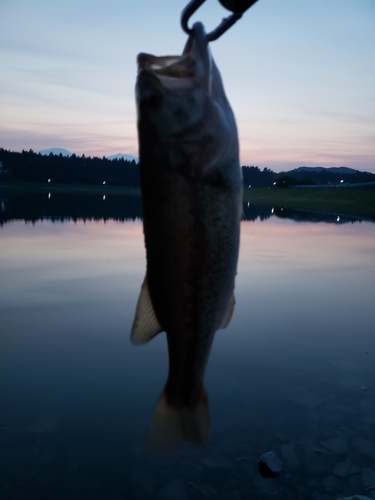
(344, 200)
(31, 187)
(359, 201)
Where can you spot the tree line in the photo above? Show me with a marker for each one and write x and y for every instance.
(58, 169)
(29, 166)
(34, 167)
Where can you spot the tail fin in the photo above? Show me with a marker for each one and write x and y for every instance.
(171, 427)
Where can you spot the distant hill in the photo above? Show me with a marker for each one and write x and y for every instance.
(122, 156)
(55, 151)
(319, 176)
(333, 170)
(305, 176)
(65, 152)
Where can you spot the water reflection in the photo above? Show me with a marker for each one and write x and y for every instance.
(60, 207)
(254, 212)
(294, 371)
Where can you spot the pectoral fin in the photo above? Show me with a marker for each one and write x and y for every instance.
(228, 313)
(146, 325)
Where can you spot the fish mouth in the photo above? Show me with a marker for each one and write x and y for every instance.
(171, 71)
(182, 71)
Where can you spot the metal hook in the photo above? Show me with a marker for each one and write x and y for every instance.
(214, 34)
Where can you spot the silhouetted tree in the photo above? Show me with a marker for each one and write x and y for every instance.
(32, 167)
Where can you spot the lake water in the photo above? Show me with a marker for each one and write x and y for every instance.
(294, 372)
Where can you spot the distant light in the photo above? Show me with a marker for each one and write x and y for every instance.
(103, 182)
(49, 180)
(274, 184)
(272, 210)
(342, 180)
(249, 185)
(248, 203)
(282, 209)
(49, 195)
(103, 197)
(338, 219)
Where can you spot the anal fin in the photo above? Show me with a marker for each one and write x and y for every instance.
(145, 325)
(228, 313)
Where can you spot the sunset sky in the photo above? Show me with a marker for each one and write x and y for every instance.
(300, 76)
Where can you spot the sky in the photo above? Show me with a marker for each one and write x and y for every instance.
(300, 76)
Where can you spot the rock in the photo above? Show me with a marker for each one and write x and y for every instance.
(189, 471)
(346, 409)
(336, 445)
(319, 450)
(307, 442)
(342, 468)
(43, 427)
(269, 465)
(173, 491)
(354, 469)
(333, 418)
(304, 397)
(346, 365)
(367, 405)
(265, 486)
(368, 478)
(368, 420)
(216, 463)
(329, 483)
(356, 497)
(352, 382)
(364, 446)
(321, 466)
(145, 481)
(317, 460)
(287, 451)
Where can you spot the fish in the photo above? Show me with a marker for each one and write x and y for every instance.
(191, 186)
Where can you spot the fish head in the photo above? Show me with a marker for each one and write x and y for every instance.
(167, 96)
(182, 108)
(171, 90)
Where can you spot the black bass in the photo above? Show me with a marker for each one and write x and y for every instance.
(192, 197)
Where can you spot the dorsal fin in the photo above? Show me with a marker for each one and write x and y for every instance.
(146, 325)
(228, 313)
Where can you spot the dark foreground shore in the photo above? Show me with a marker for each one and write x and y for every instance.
(350, 201)
(31, 187)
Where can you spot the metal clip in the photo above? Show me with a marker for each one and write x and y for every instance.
(214, 34)
(237, 5)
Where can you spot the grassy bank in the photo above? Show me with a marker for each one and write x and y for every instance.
(31, 187)
(350, 201)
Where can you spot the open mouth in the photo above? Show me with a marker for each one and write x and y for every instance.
(171, 71)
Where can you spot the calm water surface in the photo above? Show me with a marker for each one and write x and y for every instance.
(294, 372)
